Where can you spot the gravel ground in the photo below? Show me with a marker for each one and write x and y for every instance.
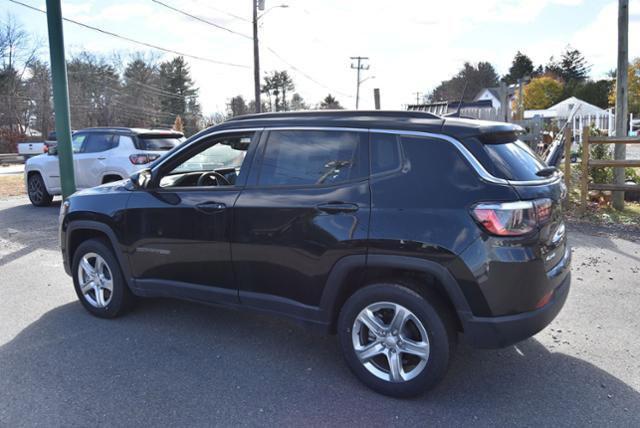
(171, 363)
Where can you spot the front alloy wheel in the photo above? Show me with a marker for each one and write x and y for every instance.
(37, 191)
(96, 280)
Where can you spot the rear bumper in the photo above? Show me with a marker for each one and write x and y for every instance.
(498, 332)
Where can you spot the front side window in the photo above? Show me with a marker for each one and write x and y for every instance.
(296, 158)
(218, 163)
(76, 142)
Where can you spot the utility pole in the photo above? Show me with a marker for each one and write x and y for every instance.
(60, 97)
(376, 98)
(256, 55)
(418, 96)
(359, 66)
(520, 99)
(622, 97)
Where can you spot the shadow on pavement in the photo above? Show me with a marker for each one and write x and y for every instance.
(29, 228)
(175, 363)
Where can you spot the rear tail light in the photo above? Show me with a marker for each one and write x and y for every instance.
(143, 158)
(513, 218)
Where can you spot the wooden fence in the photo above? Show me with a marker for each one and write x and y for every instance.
(588, 140)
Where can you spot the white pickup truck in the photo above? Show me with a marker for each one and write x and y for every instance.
(31, 148)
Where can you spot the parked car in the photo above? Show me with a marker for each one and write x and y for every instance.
(100, 155)
(395, 230)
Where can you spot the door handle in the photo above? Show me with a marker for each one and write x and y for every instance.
(211, 207)
(102, 158)
(337, 207)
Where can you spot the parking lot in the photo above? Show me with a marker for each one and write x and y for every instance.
(172, 363)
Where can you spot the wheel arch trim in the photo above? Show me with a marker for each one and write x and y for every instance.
(336, 281)
(78, 225)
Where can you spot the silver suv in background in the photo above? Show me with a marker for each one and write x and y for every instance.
(100, 155)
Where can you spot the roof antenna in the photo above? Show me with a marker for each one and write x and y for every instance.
(457, 112)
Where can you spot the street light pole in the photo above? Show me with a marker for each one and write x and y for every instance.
(60, 97)
(256, 58)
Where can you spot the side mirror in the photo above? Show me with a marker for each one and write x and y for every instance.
(52, 151)
(141, 179)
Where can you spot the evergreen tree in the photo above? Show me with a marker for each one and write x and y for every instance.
(141, 94)
(474, 77)
(297, 103)
(330, 103)
(179, 96)
(522, 66)
(237, 106)
(574, 66)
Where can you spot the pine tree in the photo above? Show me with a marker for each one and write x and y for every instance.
(521, 66)
(330, 103)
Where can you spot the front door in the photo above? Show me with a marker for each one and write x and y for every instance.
(180, 228)
(308, 208)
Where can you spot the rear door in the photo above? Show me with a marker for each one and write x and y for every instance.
(90, 162)
(307, 206)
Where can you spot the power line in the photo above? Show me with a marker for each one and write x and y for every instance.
(128, 39)
(229, 13)
(293, 67)
(197, 18)
(276, 54)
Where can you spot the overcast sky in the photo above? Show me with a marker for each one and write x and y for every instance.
(412, 44)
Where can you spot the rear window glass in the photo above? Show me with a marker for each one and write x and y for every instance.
(158, 143)
(515, 161)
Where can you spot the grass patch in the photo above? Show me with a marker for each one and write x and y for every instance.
(11, 185)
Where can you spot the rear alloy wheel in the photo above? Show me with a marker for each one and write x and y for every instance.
(98, 280)
(390, 342)
(37, 191)
(395, 340)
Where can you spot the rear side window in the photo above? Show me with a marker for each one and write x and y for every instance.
(313, 158)
(514, 161)
(158, 142)
(99, 143)
(385, 153)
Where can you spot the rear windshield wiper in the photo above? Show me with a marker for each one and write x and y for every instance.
(546, 172)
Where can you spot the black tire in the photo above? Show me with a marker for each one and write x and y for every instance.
(37, 191)
(436, 320)
(120, 299)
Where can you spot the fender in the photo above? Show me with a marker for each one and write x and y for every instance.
(45, 178)
(347, 265)
(100, 227)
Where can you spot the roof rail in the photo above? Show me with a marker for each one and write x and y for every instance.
(337, 114)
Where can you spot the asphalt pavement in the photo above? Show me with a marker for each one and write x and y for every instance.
(171, 363)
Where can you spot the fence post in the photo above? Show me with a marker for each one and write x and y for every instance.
(568, 139)
(585, 169)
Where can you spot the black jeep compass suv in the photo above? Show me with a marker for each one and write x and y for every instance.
(395, 230)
